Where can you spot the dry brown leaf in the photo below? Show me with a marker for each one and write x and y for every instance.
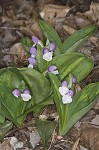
(76, 145)
(90, 138)
(95, 121)
(18, 53)
(77, 88)
(16, 23)
(97, 105)
(94, 40)
(27, 31)
(34, 138)
(15, 143)
(93, 13)
(69, 29)
(37, 30)
(52, 12)
(6, 145)
(82, 148)
(82, 21)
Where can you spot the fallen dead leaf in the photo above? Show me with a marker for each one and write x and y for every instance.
(18, 53)
(95, 121)
(90, 138)
(15, 143)
(6, 145)
(94, 40)
(82, 148)
(76, 145)
(92, 14)
(34, 138)
(69, 29)
(37, 30)
(52, 12)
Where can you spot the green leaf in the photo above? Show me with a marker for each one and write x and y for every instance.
(11, 107)
(83, 101)
(41, 63)
(4, 128)
(27, 43)
(57, 97)
(45, 129)
(2, 119)
(39, 106)
(77, 64)
(7, 115)
(78, 38)
(52, 35)
(39, 85)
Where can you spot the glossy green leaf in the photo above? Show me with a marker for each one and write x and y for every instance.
(7, 115)
(57, 97)
(74, 41)
(4, 128)
(41, 63)
(39, 106)
(52, 35)
(77, 64)
(2, 119)
(27, 43)
(83, 101)
(45, 129)
(11, 107)
(39, 85)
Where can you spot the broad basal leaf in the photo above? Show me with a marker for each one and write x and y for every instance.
(75, 63)
(52, 35)
(41, 63)
(4, 128)
(39, 106)
(45, 129)
(83, 101)
(27, 43)
(39, 85)
(11, 107)
(2, 119)
(74, 41)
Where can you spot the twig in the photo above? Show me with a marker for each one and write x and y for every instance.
(9, 28)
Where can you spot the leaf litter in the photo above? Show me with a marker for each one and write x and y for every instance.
(20, 19)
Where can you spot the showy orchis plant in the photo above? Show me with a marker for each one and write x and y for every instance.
(52, 71)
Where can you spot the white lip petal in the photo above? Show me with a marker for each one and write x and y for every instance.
(30, 66)
(66, 99)
(63, 90)
(16, 95)
(55, 72)
(47, 56)
(32, 55)
(26, 97)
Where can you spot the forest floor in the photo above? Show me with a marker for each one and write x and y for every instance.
(19, 19)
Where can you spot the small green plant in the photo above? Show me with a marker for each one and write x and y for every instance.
(50, 77)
